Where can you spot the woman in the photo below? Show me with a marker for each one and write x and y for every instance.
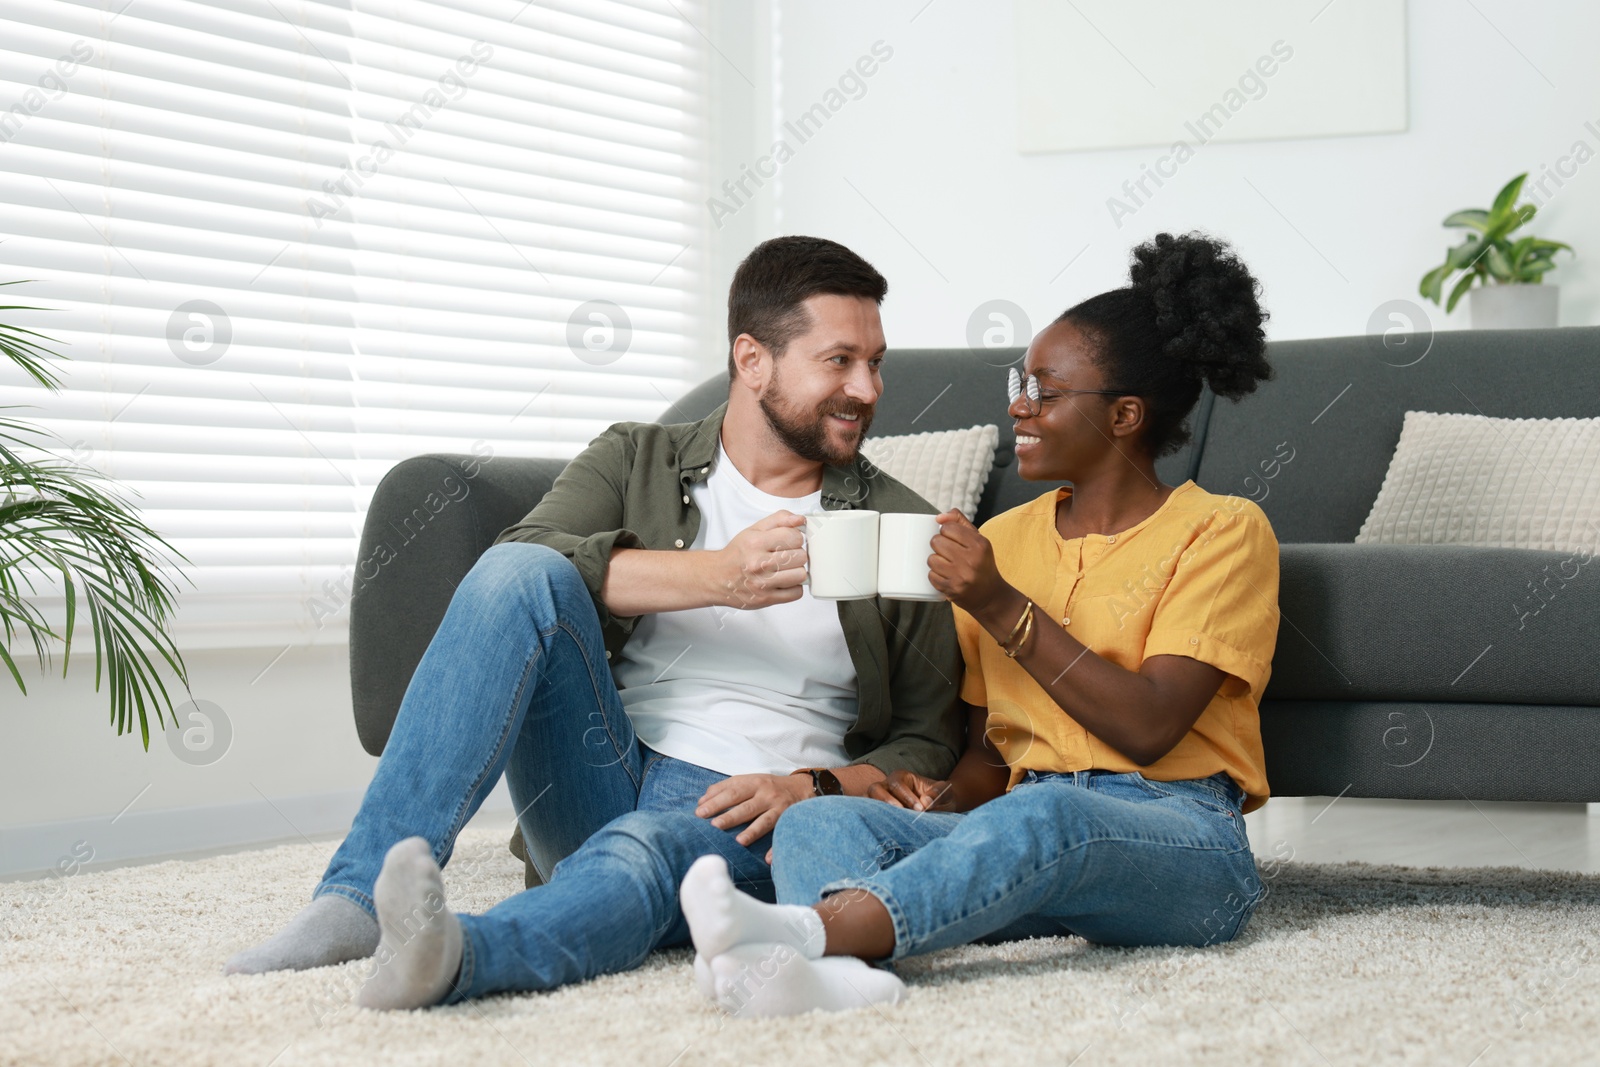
(1117, 638)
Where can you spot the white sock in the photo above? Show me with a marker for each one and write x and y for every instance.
(420, 951)
(721, 917)
(762, 980)
(704, 980)
(329, 930)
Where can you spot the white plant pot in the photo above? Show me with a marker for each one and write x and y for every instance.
(1514, 307)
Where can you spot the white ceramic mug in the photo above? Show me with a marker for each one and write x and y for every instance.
(904, 545)
(842, 554)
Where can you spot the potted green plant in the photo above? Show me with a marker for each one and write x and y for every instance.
(56, 520)
(1508, 273)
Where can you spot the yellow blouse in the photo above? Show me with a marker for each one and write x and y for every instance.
(1197, 578)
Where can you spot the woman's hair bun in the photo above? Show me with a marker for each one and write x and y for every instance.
(1207, 310)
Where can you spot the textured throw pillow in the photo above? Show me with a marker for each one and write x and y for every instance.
(948, 468)
(1499, 483)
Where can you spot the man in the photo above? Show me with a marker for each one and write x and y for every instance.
(673, 556)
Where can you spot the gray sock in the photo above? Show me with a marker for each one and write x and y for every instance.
(419, 954)
(329, 930)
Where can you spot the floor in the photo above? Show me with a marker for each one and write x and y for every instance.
(1428, 833)
(1342, 964)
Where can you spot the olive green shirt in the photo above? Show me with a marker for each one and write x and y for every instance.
(631, 488)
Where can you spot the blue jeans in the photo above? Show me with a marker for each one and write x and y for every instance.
(515, 681)
(1117, 859)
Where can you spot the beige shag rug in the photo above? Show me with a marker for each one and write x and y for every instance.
(1341, 965)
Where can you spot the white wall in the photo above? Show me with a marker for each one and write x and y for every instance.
(953, 215)
(293, 768)
(68, 775)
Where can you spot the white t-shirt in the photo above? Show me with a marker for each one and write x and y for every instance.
(759, 691)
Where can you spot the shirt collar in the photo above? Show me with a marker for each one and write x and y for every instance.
(699, 448)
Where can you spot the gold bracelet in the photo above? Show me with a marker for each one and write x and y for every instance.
(1026, 611)
(1027, 631)
(1026, 616)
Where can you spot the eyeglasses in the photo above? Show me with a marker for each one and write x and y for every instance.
(1018, 385)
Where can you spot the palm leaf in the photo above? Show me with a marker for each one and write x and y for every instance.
(63, 521)
(15, 344)
(95, 544)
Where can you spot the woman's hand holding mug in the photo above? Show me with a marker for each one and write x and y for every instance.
(962, 566)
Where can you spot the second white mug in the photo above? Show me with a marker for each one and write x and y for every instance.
(904, 545)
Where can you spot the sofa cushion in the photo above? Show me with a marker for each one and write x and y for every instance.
(1501, 483)
(1436, 623)
(947, 468)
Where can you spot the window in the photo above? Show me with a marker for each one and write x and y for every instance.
(290, 243)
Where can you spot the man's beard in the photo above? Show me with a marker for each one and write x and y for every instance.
(807, 436)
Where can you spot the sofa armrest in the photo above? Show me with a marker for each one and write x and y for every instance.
(1450, 623)
(430, 519)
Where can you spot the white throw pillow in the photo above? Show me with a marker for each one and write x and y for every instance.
(947, 468)
(1499, 483)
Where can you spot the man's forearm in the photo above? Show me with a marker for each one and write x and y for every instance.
(645, 581)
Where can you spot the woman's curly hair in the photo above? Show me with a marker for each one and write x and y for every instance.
(1190, 316)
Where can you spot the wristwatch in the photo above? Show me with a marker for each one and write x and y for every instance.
(824, 783)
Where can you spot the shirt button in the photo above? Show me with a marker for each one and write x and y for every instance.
(1111, 540)
(704, 469)
(678, 543)
(608, 655)
(1066, 622)
(686, 498)
(1194, 640)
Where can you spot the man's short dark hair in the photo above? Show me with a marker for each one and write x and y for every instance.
(772, 284)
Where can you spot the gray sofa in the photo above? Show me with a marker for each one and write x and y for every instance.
(1401, 671)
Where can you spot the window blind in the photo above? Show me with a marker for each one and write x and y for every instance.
(289, 243)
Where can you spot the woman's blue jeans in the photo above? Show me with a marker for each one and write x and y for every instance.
(515, 681)
(1117, 859)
